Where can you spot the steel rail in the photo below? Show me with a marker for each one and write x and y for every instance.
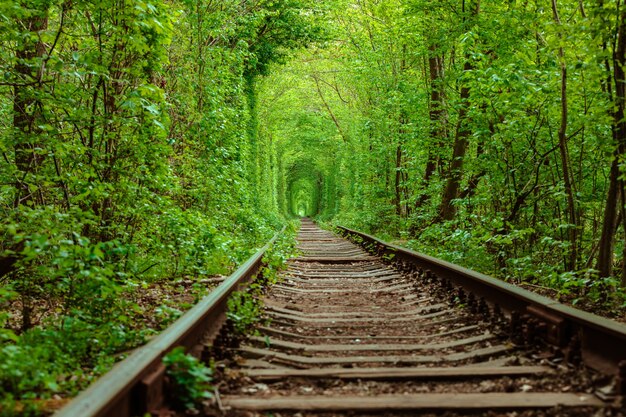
(135, 385)
(602, 342)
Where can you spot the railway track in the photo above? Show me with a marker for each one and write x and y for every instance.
(348, 333)
(360, 327)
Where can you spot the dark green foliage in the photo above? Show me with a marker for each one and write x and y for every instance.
(189, 381)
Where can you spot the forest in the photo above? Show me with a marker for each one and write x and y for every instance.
(150, 145)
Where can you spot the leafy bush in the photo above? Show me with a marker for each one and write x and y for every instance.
(59, 360)
(276, 257)
(189, 379)
(245, 308)
(244, 311)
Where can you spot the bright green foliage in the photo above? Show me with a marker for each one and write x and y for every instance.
(144, 142)
(275, 259)
(245, 308)
(363, 142)
(129, 155)
(58, 360)
(189, 379)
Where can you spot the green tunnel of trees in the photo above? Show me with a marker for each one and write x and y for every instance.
(304, 188)
(149, 142)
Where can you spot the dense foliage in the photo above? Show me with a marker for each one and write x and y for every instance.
(490, 133)
(151, 144)
(129, 157)
(245, 308)
(189, 380)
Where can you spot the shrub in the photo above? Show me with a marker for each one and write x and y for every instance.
(189, 379)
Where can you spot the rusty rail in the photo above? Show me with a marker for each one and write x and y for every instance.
(601, 342)
(135, 385)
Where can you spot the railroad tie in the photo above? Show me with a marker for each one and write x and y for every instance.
(349, 333)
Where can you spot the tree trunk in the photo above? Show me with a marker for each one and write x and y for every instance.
(572, 258)
(472, 183)
(609, 225)
(26, 108)
(447, 211)
(437, 116)
(616, 186)
(623, 216)
(26, 121)
(398, 181)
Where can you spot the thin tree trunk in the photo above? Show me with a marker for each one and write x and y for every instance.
(398, 181)
(447, 211)
(623, 207)
(616, 186)
(572, 258)
(607, 238)
(472, 183)
(26, 121)
(437, 116)
(26, 108)
(328, 109)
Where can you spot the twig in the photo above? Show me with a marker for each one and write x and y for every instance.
(218, 400)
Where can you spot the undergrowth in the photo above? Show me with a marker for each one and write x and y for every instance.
(245, 308)
(65, 350)
(189, 380)
(500, 256)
